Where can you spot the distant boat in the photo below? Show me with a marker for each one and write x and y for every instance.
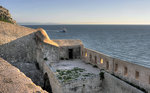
(63, 30)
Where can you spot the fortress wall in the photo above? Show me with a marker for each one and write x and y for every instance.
(20, 44)
(20, 50)
(24, 47)
(47, 53)
(129, 72)
(64, 53)
(56, 86)
(98, 59)
(17, 43)
(89, 85)
(112, 84)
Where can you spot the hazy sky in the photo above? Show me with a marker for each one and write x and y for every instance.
(79, 11)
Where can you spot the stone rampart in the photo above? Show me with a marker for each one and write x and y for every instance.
(136, 75)
(17, 43)
(27, 49)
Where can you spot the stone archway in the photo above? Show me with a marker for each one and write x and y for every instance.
(47, 85)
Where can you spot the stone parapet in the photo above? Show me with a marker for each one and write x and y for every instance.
(136, 75)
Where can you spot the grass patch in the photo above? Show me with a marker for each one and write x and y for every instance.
(88, 74)
(72, 74)
(5, 20)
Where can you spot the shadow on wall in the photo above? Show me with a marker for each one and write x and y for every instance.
(47, 85)
(20, 50)
(22, 54)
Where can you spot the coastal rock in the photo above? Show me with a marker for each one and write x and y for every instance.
(6, 16)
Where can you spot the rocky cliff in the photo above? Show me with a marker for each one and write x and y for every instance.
(5, 15)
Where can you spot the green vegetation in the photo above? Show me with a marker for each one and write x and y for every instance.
(72, 74)
(88, 74)
(101, 74)
(5, 20)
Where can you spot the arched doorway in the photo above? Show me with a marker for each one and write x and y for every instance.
(47, 85)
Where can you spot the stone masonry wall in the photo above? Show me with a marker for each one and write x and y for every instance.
(56, 86)
(17, 43)
(64, 53)
(137, 76)
(47, 53)
(111, 84)
(89, 85)
(20, 46)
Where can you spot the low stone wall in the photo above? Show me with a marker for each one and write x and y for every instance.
(88, 85)
(55, 85)
(111, 84)
(133, 74)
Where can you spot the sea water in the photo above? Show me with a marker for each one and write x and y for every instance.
(127, 42)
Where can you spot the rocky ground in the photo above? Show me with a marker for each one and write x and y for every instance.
(14, 81)
(5, 15)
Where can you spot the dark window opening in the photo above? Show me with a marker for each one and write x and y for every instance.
(116, 67)
(70, 53)
(82, 53)
(95, 59)
(137, 75)
(37, 66)
(90, 57)
(47, 85)
(107, 65)
(125, 70)
(149, 79)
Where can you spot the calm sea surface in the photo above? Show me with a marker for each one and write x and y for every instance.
(126, 42)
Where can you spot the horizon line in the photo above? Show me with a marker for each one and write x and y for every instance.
(82, 24)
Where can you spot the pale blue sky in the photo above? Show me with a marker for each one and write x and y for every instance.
(79, 11)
